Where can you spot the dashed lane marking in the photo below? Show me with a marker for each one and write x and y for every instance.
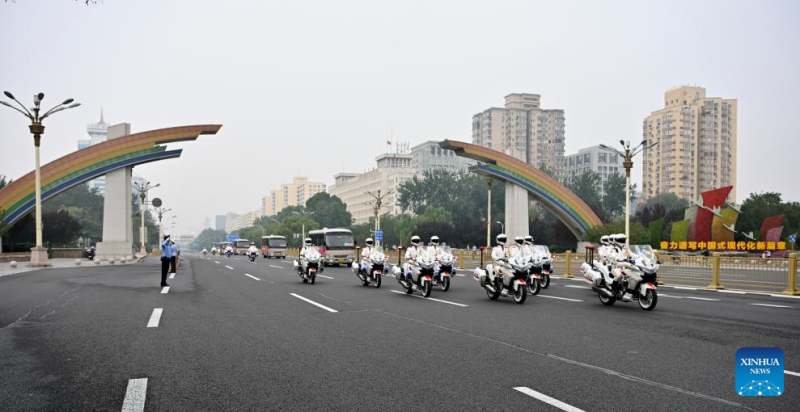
(575, 287)
(433, 299)
(155, 318)
(698, 298)
(314, 303)
(165, 290)
(172, 276)
(548, 400)
(251, 276)
(228, 267)
(558, 297)
(216, 262)
(785, 296)
(770, 306)
(323, 276)
(791, 373)
(276, 267)
(734, 292)
(683, 288)
(135, 395)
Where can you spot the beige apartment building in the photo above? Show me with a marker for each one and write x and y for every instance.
(524, 130)
(292, 194)
(697, 145)
(392, 170)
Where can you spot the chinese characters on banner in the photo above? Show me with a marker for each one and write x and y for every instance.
(743, 246)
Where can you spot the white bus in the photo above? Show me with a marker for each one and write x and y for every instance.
(338, 245)
(273, 246)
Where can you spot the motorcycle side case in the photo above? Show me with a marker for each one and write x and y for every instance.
(479, 275)
(397, 272)
(295, 264)
(589, 274)
(355, 267)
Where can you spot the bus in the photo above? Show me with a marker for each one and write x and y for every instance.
(338, 245)
(240, 244)
(273, 246)
(221, 246)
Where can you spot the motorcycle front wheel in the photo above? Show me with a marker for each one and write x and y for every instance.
(426, 289)
(445, 284)
(545, 281)
(534, 286)
(520, 295)
(649, 300)
(378, 281)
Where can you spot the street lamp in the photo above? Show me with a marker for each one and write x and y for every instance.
(305, 215)
(160, 211)
(376, 206)
(38, 253)
(143, 188)
(627, 156)
(502, 227)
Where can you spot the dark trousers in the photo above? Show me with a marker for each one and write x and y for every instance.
(165, 262)
(173, 261)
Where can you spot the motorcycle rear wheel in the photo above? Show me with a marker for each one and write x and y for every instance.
(606, 301)
(495, 295)
(409, 288)
(649, 300)
(313, 278)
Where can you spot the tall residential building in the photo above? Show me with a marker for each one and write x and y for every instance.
(697, 145)
(392, 170)
(219, 222)
(597, 160)
(524, 130)
(236, 222)
(429, 156)
(98, 133)
(292, 194)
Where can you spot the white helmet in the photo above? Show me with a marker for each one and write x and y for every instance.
(529, 239)
(369, 241)
(501, 239)
(435, 240)
(307, 241)
(619, 239)
(519, 240)
(415, 240)
(604, 240)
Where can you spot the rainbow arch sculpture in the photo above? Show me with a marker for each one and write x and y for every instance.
(78, 167)
(554, 196)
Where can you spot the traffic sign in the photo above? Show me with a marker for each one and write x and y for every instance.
(156, 202)
(792, 238)
(379, 235)
(232, 238)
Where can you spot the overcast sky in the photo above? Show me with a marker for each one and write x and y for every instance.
(316, 88)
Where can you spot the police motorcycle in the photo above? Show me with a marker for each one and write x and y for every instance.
(252, 255)
(445, 269)
(372, 267)
(635, 269)
(405, 276)
(308, 264)
(514, 284)
(546, 259)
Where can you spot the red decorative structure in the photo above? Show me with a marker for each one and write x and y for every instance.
(771, 223)
(712, 200)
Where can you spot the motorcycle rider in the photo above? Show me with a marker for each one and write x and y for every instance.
(214, 250)
(618, 253)
(433, 248)
(252, 250)
(369, 246)
(413, 251)
(229, 250)
(205, 251)
(500, 254)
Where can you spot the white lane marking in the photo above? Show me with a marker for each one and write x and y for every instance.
(172, 276)
(770, 306)
(433, 299)
(249, 275)
(314, 303)
(706, 299)
(228, 267)
(735, 292)
(323, 276)
(576, 287)
(669, 296)
(155, 318)
(216, 262)
(276, 267)
(785, 296)
(548, 400)
(556, 297)
(135, 395)
(165, 290)
(683, 288)
(791, 373)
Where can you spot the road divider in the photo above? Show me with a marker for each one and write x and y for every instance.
(314, 303)
(548, 400)
(433, 299)
(135, 395)
(155, 318)
(251, 276)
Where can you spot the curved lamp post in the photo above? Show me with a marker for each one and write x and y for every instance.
(143, 189)
(38, 253)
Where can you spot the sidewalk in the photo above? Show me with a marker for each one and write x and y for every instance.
(5, 267)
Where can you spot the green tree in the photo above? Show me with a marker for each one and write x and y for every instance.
(60, 228)
(329, 211)
(209, 237)
(435, 214)
(614, 197)
(85, 205)
(587, 187)
(759, 206)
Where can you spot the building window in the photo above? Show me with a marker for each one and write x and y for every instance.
(601, 157)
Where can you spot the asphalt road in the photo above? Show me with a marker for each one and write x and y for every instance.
(78, 339)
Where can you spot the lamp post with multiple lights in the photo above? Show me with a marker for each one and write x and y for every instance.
(38, 253)
(627, 155)
(143, 188)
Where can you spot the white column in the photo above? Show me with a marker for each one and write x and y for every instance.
(117, 224)
(516, 205)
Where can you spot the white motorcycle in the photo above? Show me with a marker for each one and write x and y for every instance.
(423, 283)
(546, 259)
(308, 266)
(371, 270)
(444, 270)
(639, 274)
(513, 284)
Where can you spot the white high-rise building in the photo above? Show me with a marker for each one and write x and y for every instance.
(595, 159)
(98, 133)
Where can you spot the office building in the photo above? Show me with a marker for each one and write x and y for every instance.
(595, 159)
(429, 156)
(696, 149)
(219, 222)
(292, 194)
(524, 130)
(392, 170)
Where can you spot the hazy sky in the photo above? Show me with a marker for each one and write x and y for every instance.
(315, 88)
